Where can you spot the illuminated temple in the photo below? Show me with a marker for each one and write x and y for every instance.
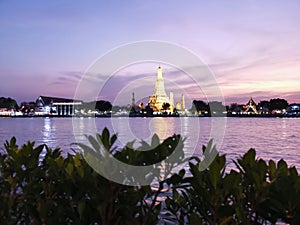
(250, 107)
(159, 101)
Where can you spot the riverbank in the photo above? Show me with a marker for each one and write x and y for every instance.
(156, 115)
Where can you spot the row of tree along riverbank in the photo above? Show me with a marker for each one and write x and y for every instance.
(274, 107)
(286, 115)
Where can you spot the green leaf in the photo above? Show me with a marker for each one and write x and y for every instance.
(249, 157)
(225, 211)
(113, 139)
(181, 173)
(215, 170)
(81, 208)
(105, 139)
(70, 168)
(87, 150)
(272, 170)
(94, 143)
(195, 219)
(155, 140)
(210, 153)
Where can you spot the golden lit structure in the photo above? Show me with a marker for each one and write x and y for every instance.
(250, 108)
(160, 98)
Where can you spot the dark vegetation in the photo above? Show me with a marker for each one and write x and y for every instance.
(197, 105)
(100, 105)
(8, 103)
(265, 106)
(40, 186)
(273, 104)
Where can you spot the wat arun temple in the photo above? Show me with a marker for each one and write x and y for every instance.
(159, 102)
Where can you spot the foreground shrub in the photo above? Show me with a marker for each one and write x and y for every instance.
(40, 186)
(256, 192)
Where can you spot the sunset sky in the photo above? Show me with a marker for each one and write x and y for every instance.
(252, 47)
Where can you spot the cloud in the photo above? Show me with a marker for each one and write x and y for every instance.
(74, 74)
(74, 77)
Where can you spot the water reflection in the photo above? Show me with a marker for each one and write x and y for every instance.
(162, 127)
(273, 138)
(283, 130)
(48, 131)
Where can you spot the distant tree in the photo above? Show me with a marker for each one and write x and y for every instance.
(165, 106)
(264, 105)
(116, 108)
(8, 103)
(86, 106)
(278, 103)
(216, 107)
(103, 105)
(149, 110)
(234, 107)
(100, 105)
(200, 106)
(27, 107)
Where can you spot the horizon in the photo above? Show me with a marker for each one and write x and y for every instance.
(250, 47)
(144, 99)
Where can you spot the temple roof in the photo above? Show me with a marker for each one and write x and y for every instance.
(251, 102)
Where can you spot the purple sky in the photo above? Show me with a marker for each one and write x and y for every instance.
(252, 47)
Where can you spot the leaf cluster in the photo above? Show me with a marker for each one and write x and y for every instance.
(256, 192)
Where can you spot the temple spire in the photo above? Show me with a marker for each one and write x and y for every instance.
(159, 73)
(159, 97)
(182, 102)
(160, 86)
(133, 99)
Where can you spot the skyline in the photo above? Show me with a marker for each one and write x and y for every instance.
(251, 47)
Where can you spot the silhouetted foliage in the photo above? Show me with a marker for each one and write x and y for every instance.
(165, 106)
(40, 186)
(200, 106)
(8, 103)
(149, 110)
(216, 108)
(278, 103)
(27, 107)
(100, 105)
(103, 105)
(234, 107)
(264, 106)
(273, 104)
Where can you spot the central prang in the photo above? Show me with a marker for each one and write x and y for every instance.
(159, 100)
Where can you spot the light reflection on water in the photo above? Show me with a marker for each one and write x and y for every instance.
(273, 138)
(49, 132)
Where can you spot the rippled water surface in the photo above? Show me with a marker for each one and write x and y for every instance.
(273, 138)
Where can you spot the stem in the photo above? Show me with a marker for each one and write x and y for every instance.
(145, 222)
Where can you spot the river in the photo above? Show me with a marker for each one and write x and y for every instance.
(273, 138)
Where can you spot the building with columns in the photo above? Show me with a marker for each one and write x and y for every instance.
(56, 106)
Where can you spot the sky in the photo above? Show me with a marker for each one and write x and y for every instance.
(251, 47)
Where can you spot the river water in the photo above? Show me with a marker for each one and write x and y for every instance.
(273, 138)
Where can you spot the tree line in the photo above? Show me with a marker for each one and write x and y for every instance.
(273, 104)
(197, 105)
(8, 103)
